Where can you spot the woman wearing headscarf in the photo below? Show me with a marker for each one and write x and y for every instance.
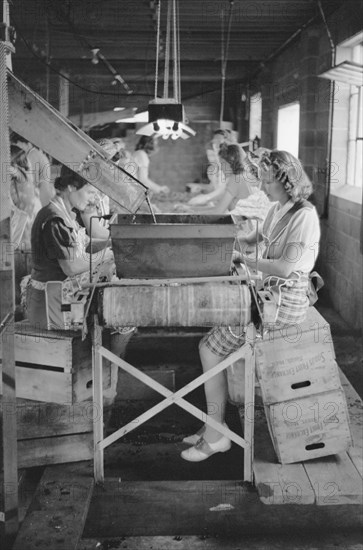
(291, 234)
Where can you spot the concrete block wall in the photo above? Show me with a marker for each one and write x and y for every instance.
(293, 75)
(183, 161)
(341, 261)
(179, 162)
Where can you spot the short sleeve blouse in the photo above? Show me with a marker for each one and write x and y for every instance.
(52, 240)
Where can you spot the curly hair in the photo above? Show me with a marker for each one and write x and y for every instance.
(19, 158)
(234, 155)
(146, 143)
(108, 146)
(68, 177)
(226, 134)
(288, 170)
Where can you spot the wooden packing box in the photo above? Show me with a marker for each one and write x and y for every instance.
(54, 366)
(297, 361)
(309, 427)
(49, 433)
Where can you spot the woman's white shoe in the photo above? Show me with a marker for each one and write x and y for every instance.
(193, 439)
(203, 450)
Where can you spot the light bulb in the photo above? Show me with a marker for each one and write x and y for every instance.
(95, 59)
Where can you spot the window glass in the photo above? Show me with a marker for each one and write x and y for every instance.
(288, 125)
(255, 117)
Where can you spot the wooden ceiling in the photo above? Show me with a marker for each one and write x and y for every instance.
(64, 32)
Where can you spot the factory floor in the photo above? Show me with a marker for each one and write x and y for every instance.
(153, 499)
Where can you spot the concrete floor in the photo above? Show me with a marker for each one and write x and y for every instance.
(172, 499)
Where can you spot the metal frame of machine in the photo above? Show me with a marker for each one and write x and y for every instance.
(246, 352)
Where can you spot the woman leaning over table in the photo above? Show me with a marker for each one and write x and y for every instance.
(241, 181)
(291, 234)
(59, 250)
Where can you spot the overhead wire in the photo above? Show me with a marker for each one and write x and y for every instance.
(157, 48)
(167, 52)
(178, 52)
(175, 55)
(59, 72)
(87, 45)
(224, 56)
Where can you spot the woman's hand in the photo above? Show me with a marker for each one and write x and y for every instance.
(241, 258)
(249, 261)
(236, 257)
(183, 208)
(163, 190)
(198, 200)
(108, 255)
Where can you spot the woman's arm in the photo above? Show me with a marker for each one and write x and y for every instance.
(97, 245)
(297, 249)
(220, 208)
(283, 266)
(250, 238)
(99, 231)
(155, 187)
(278, 268)
(80, 264)
(204, 198)
(46, 192)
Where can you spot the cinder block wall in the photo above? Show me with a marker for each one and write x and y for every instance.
(183, 161)
(179, 162)
(292, 76)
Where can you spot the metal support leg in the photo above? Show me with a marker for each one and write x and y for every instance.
(97, 401)
(249, 406)
(246, 351)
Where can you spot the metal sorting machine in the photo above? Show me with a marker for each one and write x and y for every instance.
(174, 271)
(215, 296)
(167, 253)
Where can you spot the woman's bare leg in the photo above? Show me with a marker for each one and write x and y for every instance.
(215, 392)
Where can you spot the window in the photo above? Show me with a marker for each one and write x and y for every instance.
(255, 119)
(288, 124)
(347, 143)
(355, 131)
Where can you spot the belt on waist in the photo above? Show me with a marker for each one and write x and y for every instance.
(37, 284)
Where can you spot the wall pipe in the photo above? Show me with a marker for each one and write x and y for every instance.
(330, 118)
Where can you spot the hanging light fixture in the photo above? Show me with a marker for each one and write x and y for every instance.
(166, 114)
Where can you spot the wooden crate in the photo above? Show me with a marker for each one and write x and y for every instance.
(298, 361)
(309, 427)
(50, 433)
(54, 366)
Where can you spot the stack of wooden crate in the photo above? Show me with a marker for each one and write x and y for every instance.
(304, 401)
(54, 408)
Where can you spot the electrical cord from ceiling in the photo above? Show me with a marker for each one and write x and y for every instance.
(157, 49)
(224, 57)
(120, 94)
(83, 88)
(231, 86)
(87, 45)
(114, 73)
(329, 149)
